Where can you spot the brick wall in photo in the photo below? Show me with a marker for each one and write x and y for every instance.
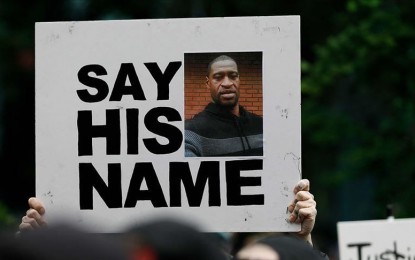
(196, 93)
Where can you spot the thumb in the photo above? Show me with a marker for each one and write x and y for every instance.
(37, 205)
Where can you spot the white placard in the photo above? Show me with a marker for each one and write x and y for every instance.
(377, 239)
(110, 124)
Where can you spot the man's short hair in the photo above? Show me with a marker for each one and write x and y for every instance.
(220, 58)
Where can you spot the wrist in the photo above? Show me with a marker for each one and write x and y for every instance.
(305, 237)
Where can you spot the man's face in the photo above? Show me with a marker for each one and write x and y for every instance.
(223, 83)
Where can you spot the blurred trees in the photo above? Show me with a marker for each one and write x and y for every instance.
(358, 114)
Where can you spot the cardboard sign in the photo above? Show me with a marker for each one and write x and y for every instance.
(377, 239)
(115, 140)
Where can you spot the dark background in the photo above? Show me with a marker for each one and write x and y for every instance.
(358, 97)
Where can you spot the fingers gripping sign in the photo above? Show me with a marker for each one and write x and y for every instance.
(303, 209)
(299, 190)
(37, 205)
(34, 217)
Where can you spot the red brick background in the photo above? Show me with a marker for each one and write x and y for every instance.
(196, 93)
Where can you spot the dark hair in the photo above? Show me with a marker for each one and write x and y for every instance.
(291, 248)
(219, 58)
(171, 240)
(63, 242)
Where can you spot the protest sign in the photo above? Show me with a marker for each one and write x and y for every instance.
(376, 239)
(112, 98)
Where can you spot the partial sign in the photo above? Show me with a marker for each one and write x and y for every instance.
(377, 239)
(117, 141)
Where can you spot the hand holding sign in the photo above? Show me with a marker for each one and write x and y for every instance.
(303, 209)
(34, 216)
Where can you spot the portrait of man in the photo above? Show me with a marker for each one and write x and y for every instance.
(230, 124)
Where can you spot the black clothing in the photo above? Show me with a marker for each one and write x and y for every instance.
(291, 248)
(171, 240)
(217, 132)
(63, 242)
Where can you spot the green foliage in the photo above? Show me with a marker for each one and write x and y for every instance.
(358, 104)
(7, 220)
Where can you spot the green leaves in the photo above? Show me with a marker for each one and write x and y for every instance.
(358, 100)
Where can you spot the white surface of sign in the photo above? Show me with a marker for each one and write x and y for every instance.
(377, 239)
(110, 124)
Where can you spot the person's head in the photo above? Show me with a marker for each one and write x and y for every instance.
(279, 247)
(165, 239)
(222, 80)
(257, 251)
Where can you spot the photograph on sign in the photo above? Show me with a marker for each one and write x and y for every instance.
(223, 104)
(139, 119)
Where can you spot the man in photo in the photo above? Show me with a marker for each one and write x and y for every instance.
(224, 127)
